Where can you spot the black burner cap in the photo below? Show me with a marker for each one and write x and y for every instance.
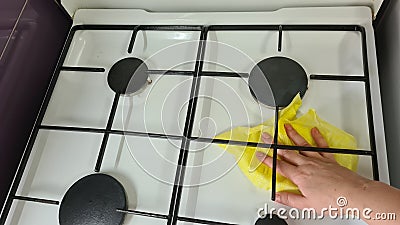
(127, 76)
(93, 199)
(275, 81)
(268, 220)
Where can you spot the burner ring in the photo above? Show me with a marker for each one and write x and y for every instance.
(268, 220)
(128, 76)
(276, 80)
(93, 199)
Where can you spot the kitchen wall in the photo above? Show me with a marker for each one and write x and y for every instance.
(32, 33)
(388, 50)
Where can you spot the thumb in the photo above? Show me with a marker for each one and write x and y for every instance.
(290, 199)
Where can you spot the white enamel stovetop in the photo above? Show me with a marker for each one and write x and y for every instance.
(215, 188)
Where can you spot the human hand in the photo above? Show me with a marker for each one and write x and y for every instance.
(320, 179)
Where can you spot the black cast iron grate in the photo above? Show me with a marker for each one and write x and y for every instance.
(187, 137)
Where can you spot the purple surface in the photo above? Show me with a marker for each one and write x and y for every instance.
(25, 72)
(9, 12)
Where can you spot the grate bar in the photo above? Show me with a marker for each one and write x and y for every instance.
(82, 69)
(280, 39)
(118, 132)
(286, 147)
(141, 213)
(368, 98)
(275, 153)
(107, 134)
(337, 77)
(200, 221)
(37, 200)
(184, 151)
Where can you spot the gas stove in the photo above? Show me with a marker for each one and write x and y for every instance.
(145, 143)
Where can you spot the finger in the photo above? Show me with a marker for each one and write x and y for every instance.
(318, 138)
(291, 157)
(321, 142)
(285, 169)
(300, 141)
(295, 137)
(266, 138)
(291, 199)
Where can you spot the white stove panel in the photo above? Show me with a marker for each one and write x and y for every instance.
(84, 99)
(238, 51)
(58, 159)
(103, 48)
(218, 190)
(97, 48)
(28, 213)
(160, 108)
(80, 99)
(227, 103)
(341, 103)
(145, 167)
(325, 52)
(318, 52)
(167, 50)
(133, 220)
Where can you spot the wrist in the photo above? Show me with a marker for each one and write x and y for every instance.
(356, 192)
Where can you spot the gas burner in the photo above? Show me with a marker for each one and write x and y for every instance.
(128, 76)
(275, 81)
(93, 199)
(268, 220)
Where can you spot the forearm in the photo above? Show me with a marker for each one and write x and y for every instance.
(382, 199)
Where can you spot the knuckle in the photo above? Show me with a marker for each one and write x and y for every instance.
(302, 176)
(311, 164)
(304, 143)
(285, 199)
(283, 153)
(323, 144)
(279, 166)
(330, 157)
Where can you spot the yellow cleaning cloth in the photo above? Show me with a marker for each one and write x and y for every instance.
(260, 174)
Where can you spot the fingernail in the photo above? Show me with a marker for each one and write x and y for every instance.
(288, 126)
(277, 197)
(260, 156)
(315, 130)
